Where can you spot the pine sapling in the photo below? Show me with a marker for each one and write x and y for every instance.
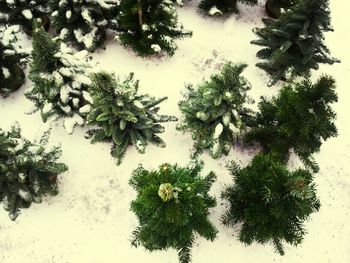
(60, 81)
(215, 113)
(84, 23)
(270, 202)
(23, 13)
(12, 61)
(124, 117)
(293, 44)
(172, 205)
(219, 7)
(150, 27)
(299, 118)
(28, 170)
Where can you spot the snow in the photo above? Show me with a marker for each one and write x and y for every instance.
(156, 48)
(27, 14)
(47, 108)
(218, 130)
(89, 220)
(68, 14)
(70, 123)
(6, 72)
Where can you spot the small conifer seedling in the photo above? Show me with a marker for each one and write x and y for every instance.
(172, 204)
(293, 44)
(299, 118)
(28, 170)
(149, 27)
(219, 7)
(12, 61)
(123, 116)
(270, 202)
(215, 113)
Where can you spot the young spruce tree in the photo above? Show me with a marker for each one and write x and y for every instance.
(149, 26)
(215, 113)
(28, 170)
(172, 205)
(83, 22)
(23, 13)
(274, 8)
(294, 43)
(270, 202)
(12, 61)
(299, 118)
(214, 7)
(60, 82)
(123, 116)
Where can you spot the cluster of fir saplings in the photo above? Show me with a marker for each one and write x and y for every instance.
(269, 201)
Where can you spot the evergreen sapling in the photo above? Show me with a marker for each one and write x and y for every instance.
(84, 22)
(124, 117)
(28, 170)
(60, 82)
(294, 43)
(219, 7)
(149, 27)
(172, 204)
(12, 61)
(215, 113)
(299, 118)
(270, 202)
(23, 13)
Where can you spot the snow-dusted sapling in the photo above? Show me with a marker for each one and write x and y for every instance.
(60, 81)
(123, 116)
(294, 43)
(150, 27)
(274, 8)
(83, 22)
(219, 7)
(299, 118)
(172, 206)
(28, 170)
(216, 113)
(23, 13)
(12, 61)
(270, 202)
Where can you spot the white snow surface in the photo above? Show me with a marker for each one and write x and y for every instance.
(89, 221)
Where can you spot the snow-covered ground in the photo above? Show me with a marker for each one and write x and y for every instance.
(90, 222)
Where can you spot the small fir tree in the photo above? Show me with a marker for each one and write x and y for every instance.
(270, 202)
(23, 13)
(294, 43)
(149, 26)
(12, 61)
(123, 116)
(172, 205)
(28, 170)
(60, 82)
(215, 7)
(215, 113)
(274, 8)
(84, 22)
(299, 118)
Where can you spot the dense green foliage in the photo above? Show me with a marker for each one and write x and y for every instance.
(293, 44)
(23, 13)
(215, 113)
(172, 205)
(299, 118)
(84, 22)
(12, 61)
(28, 170)
(60, 81)
(270, 202)
(123, 116)
(149, 26)
(213, 7)
(274, 8)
